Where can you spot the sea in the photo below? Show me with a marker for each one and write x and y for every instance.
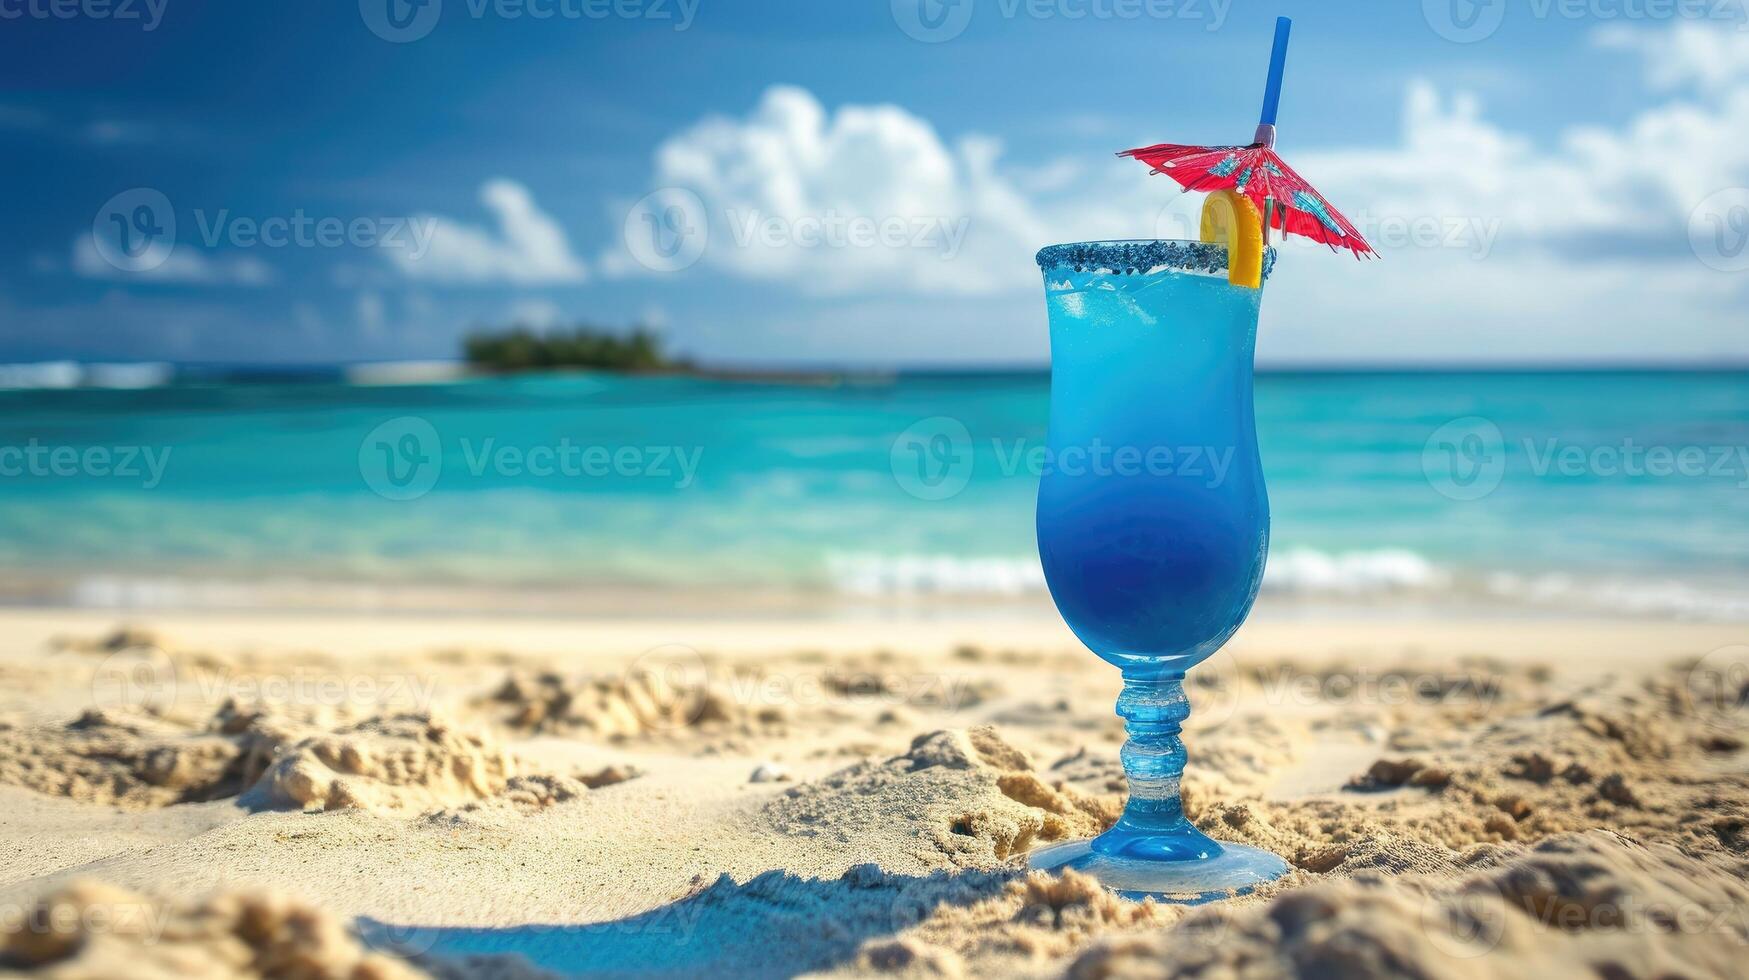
(1621, 493)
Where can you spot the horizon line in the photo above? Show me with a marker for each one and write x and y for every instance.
(968, 368)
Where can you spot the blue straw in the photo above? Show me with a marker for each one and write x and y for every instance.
(1277, 62)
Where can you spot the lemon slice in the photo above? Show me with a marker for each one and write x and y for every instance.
(1229, 218)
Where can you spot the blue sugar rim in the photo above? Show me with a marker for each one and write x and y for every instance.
(1137, 257)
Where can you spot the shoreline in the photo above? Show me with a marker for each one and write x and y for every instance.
(1600, 640)
(121, 597)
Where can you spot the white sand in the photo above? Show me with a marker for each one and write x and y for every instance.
(580, 793)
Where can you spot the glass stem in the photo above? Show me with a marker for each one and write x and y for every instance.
(1154, 708)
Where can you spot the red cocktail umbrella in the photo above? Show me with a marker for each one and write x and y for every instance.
(1258, 172)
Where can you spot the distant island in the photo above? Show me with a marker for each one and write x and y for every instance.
(520, 349)
(580, 348)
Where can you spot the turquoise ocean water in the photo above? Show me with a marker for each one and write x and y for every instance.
(1593, 492)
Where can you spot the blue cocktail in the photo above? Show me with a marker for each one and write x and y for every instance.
(1153, 523)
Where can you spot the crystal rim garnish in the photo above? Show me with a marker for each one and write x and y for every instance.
(1140, 257)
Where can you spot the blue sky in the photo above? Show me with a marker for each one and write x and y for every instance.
(1548, 180)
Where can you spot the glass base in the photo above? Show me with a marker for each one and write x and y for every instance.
(1233, 870)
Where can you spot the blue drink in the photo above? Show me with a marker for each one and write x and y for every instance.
(1153, 523)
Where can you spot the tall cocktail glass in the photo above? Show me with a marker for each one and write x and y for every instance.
(1153, 524)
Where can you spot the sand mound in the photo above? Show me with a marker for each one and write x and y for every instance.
(637, 703)
(1579, 905)
(1451, 780)
(540, 792)
(1033, 917)
(136, 760)
(129, 759)
(529, 794)
(1633, 758)
(888, 679)
(695, 696)
(94, 931)
(390, 763)
(89, 931)
(969, 798)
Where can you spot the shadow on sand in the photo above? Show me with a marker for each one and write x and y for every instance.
(773, 925)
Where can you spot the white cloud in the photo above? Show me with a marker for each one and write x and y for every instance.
(865, 198)
(527, 246)
(1499, 244)
(539, 315)
(1591, 258)
(183, 265)
(1688, 54)
(1640, 180)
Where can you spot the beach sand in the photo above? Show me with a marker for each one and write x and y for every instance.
(254, 795)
